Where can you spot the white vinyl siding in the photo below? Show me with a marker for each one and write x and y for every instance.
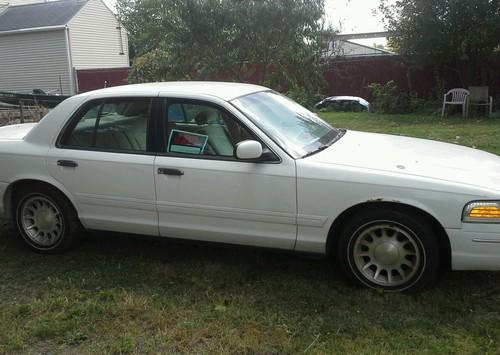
(22, 2)
(95, 39)
(34, 60)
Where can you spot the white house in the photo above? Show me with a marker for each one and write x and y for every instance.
(348, 49)
(54, 46)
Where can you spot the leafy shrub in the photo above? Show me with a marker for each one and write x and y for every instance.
(304, 97)
(388, 98)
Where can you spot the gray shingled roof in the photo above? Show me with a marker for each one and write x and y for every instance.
(44, 14)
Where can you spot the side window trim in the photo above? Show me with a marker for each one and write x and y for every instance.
(96, 126)
(73, 121)
(184, 112)
(163, 130)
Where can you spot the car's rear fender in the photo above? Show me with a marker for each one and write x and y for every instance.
(7, 190)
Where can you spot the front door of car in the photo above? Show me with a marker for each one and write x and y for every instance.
(104, 160)
(204, 193)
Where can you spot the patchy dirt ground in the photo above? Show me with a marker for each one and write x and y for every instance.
(119, 295)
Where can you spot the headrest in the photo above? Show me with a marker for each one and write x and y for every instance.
(201, 118)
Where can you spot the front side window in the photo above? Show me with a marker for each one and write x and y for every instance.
(116, 125)
(298, 131)
(201, 129)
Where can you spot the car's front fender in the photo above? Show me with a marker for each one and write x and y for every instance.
(325, 191)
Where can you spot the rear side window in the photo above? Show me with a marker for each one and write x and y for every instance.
(115, 125)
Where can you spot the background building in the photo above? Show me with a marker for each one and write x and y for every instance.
(62, 47)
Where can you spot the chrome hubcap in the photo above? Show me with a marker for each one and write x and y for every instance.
(41, 221)
(387, 254)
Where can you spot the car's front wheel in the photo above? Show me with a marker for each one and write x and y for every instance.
(389, 250)
(45, 220)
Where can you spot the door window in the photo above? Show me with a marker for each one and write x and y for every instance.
(115, 125)
(202, 129)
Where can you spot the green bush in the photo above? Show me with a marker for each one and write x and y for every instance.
(304, 97)
(388, 98)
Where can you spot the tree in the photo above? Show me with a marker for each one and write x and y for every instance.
(458, 35)
(200, 39)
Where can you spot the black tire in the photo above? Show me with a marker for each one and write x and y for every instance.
(62, 218)
(400, 246)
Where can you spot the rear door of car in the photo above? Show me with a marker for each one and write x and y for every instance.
(205, 193)
(105, 159)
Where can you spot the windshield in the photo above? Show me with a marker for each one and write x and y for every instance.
(296, 129)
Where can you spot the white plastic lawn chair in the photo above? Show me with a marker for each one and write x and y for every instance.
(456, 97)
(479, 96)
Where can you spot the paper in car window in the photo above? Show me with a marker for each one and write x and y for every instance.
(186, 142)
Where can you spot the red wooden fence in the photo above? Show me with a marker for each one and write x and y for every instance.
(92, 79)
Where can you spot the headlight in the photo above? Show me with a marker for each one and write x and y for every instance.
(482, 212)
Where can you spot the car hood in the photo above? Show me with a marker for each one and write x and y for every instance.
(413, 156)
(16, 132)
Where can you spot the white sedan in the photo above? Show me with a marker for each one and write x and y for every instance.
(241, 164)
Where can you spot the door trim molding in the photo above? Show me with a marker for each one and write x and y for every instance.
(118, 202)
(226, 212)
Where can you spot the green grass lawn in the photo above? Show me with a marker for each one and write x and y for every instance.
(116, 295)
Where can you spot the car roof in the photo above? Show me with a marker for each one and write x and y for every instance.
(223, 90)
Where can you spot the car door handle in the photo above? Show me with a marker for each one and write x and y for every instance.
(168, 171)
(67, 163)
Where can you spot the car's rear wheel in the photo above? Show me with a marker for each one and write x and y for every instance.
(389, 250)
(45, 220)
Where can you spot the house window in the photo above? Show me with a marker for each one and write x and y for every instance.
(120, 40)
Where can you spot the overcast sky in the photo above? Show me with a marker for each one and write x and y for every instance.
(356, 16)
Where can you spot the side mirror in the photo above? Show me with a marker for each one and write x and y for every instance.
(248, 150)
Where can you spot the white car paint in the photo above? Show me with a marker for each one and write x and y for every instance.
(416, 157)
(438, 178)
(16, 132)
(289, 205)
(232, 202)
(238, 202)
(115, 191)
